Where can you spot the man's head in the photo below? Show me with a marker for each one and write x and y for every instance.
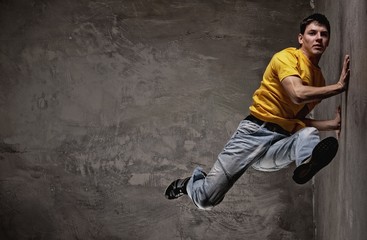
(314, 36)
(316, 17)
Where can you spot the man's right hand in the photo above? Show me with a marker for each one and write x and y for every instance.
(345, 74)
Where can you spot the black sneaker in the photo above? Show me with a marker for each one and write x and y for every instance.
(176, 189)
(321, 156)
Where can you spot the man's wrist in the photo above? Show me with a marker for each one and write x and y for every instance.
(340, 86)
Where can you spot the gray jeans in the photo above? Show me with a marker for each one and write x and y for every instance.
(254, 145)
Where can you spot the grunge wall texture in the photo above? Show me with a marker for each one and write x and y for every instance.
(105, 102)
(340, 190)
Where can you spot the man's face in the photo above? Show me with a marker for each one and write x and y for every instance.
(315, 40)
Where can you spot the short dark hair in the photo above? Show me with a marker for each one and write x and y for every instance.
(321, 19)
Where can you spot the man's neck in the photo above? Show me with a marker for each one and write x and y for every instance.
(314, 59)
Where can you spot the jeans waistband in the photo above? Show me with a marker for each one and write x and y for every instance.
(268, 125)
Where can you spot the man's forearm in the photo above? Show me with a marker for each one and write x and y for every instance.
(311, 94)
(322, 125)
(301, 94)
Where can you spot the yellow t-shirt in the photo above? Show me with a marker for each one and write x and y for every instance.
(271, 103)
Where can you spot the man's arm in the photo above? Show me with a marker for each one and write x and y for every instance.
(325, 125)
(301, 94)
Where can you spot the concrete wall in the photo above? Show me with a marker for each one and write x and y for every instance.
(103, 103)
(340, 189)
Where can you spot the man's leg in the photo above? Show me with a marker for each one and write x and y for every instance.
(305, 149)
(321, 156)
(295, 148)
(247, 145)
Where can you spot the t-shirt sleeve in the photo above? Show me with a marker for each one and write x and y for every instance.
(284, 64)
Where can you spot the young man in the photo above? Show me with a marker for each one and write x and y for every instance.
(277, 132)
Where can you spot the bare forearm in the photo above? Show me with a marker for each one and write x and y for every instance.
(308, 94)
(301, 94)
(323, 125)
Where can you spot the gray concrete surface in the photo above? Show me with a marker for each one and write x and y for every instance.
(103, 103)
(340, 190)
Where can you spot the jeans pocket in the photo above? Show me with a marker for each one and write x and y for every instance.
(247, 127)
(244, 130)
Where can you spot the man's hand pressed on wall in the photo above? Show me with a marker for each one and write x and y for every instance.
(345, 74)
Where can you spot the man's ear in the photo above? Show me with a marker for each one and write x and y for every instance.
(300, 39)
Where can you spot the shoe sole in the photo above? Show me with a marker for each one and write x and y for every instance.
(322, 155)
(168, 190)
(175, 186)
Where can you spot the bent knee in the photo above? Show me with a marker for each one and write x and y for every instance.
(309, 132)
(206, 204)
